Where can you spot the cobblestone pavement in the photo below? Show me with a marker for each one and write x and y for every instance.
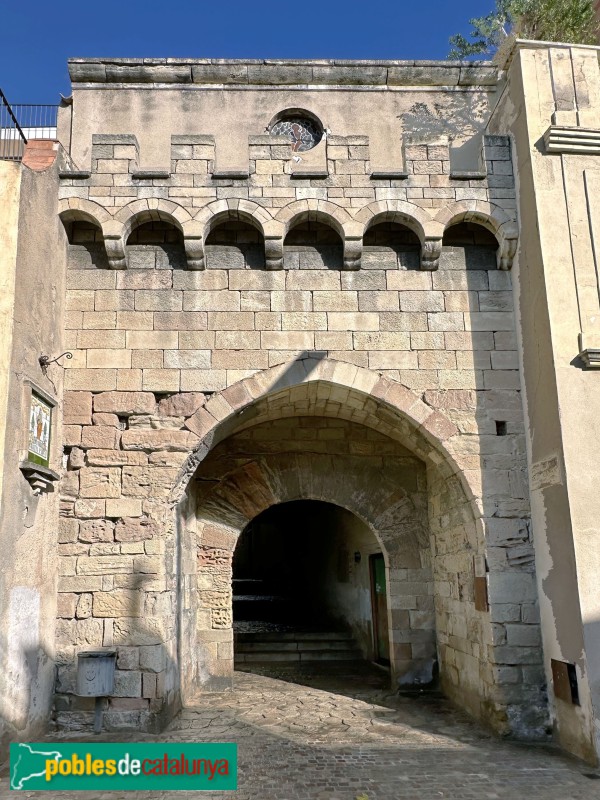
(326, 735)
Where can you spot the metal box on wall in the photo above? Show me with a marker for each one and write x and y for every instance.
(96, 673)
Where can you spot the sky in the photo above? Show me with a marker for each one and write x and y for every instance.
(38, 36)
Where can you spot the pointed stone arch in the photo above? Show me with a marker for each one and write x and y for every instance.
(201, 520)
(226, 410)
(210, 522)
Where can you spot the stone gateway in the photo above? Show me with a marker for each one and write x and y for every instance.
(333, 329)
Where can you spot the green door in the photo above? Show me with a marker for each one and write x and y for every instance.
(379, 605)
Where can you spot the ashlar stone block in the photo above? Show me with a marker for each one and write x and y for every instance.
(98, 482)
(125, 403)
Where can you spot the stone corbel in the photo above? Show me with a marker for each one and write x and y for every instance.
(194, 252)
(115, 251)
(589, 355)
(506, 253)
(352, 253)
(431, 250)
(39, 478)
(274, 253)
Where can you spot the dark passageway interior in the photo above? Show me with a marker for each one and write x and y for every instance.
(302, 584)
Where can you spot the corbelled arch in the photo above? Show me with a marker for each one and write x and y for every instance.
(118, 228)
(409, 214)
(72, 209)
(219, 211)
(490, 216)
(311, 209)
(417, 219)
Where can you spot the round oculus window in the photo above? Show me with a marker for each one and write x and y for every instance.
(303, 133)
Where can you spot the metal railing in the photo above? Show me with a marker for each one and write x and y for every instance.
(21, 122)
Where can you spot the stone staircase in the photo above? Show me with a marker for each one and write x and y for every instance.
(270, 628)
(295, 647)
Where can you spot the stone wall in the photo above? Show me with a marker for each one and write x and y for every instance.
(181, 333)
(32, 296)
(556, 132)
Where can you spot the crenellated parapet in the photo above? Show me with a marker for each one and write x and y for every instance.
(194, 197)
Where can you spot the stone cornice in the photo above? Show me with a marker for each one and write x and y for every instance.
(570, 139)
(249, 72)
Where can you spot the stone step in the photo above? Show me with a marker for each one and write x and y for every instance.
(297, 657)
(299, 636)
(300, 646)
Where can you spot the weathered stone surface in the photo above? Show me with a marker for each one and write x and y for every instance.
(98, 483)
(84, 606)
(106, 419)
(115, 458)
(77, 408)
(102, 437)
(181, 405)
(65, 605)
(152, 482)
(123, 507)
(79, 633)
(136, 631)
(125, 403)
(148, 440)
(118, 603)
(76, 458)
(155, 422)
(153, 658)
(96, 530)
(104, 565)
(68, 530)
(128, 657)
(135, 530)
(128, 683)
(460, 400)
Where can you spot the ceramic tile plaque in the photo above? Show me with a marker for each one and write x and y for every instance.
(40, 417)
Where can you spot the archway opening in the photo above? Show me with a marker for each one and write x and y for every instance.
(86, 248)
(235, 244)
(390, 245)
(156, 245)
(309, 585)
(468, 245)
(313, 244)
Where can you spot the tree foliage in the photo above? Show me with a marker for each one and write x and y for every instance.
(572, 21)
